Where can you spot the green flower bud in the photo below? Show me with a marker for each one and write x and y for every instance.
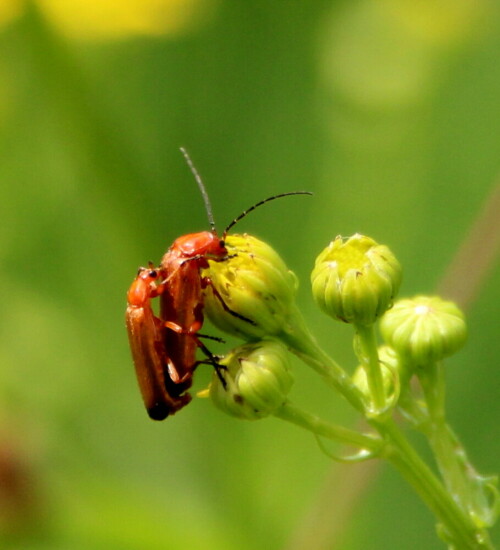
(424, 329)
(390, 365)
(257, 377)
(255, 285)
(355, 280)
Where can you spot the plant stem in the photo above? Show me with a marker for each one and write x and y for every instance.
(458, 526)
(301, 342)
(465, 485)
(438, 435)
(370, 361)
(312, 423)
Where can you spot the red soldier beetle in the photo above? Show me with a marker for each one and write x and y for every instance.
(164, 347)
(146, 335)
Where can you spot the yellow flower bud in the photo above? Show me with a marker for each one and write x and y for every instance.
(355, 280)
(252, 292)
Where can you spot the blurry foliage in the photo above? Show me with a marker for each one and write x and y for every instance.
(114, 19)
(387, 110)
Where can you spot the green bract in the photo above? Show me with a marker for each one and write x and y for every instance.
(424, 329)
(257, 378)
(255, 284)
(355, 280)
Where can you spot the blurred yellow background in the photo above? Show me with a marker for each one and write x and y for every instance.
(387, 110)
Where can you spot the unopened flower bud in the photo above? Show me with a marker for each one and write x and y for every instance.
(424, 329)
(257, 380)
(252, 292)
(355, 280)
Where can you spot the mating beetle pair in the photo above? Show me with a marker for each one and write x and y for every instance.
(164, 347)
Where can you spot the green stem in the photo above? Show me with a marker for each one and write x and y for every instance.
(457, 524)
(463, 482)
(312, 423)
(301, 342)
(401, 454)
(438, 435)
(458, 527)
(370, 361)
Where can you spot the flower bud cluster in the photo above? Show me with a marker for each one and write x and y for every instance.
(251, 295)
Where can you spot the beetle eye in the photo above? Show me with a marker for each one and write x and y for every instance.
(222, 244)
(153, 274)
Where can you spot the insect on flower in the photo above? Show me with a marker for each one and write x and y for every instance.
(164, 347)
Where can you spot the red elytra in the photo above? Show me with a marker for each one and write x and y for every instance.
(164, 347)
(147, 341)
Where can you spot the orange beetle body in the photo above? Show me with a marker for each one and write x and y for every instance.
(164, 347)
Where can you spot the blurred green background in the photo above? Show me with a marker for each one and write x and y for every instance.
(387, 110)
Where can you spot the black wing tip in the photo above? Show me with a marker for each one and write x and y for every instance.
(158, 411)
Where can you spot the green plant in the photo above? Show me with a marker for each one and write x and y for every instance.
(355, 281)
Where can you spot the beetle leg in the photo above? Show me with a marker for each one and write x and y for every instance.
(210, 337)
(223, 259)
(178, 329)
(193, 329)
(212, 360)
(206, 281)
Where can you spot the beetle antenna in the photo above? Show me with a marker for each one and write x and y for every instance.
(260, 203)
(204, 194)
